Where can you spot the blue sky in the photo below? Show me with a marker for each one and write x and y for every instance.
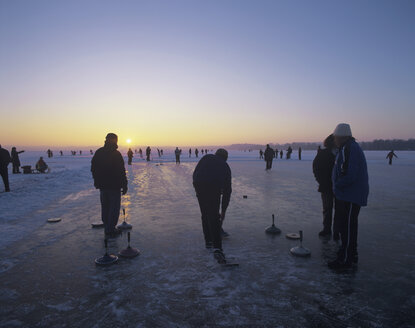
(205, 72)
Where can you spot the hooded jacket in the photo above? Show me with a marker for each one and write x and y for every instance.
(107, 167)
(350, 178)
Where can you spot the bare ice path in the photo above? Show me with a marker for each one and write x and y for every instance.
(48, 277)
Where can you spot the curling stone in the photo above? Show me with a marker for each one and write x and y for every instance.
(300, 250)
(273, 230)
(294, 236)
(54, 220)
(245, 196)
(124, 225)
(106, 259)
(129, 252)
(97, 224)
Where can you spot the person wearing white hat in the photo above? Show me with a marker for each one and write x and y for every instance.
(351, 189)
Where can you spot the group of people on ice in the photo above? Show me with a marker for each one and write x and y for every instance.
(275, 153)
(340, 169)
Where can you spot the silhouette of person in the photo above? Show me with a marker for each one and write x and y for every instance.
(261, 154)
(161, 152)
(268, 156)
(5, 159)
(281, 154)
(177, 153)
(351, 189)
(108, 171)
(289, 151)
(390, 155)
(91, 152)
(158, 152)
(140, 152)
(16, 160)
(323, 165)
(197, 153)
(61, 152)
(299, 153)
(148, 153)
(212, 180)
(276, 153)
(80, 152)
(202, 151)
(41, 165)
(130, 156)
(190, 152)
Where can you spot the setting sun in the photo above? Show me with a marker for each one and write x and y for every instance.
(128, 141)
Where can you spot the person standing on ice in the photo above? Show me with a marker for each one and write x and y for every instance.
(5, 159)
(268, 157)
(299, 153)
(197, 152)
(108, 171)
(177, 153)
(390, 156)
(212, 180)
(261, 154)
(130, 156)
(351, 189)
(16, 160)
(322, 168)
(281, 154)
(148, 154)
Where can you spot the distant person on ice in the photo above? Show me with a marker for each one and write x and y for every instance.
(211, 180)
(41, 165)
(299, 153)
(390, 156)
(268, 157)
(197, 153)
(351, 189)
(190, 152)
(130, 156)
(322, 168)
(108, 171)
(5, 159)
(177, 152)
(281, 154)
(148, 153)
(16, 160)
(289, 152)
(261, 154)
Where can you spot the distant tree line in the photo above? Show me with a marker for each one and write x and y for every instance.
(377, 144)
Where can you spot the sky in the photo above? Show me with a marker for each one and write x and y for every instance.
(204, 72)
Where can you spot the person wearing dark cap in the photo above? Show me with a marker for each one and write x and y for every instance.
(322, 168)
(351, 189)
(108, 171)
(212, 180)
(5, 159)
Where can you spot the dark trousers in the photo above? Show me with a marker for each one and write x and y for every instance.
(390, 161)
(347, 218)
(5, 176)
(16, 168)
(269, 164)
(209, 203)
(130, 159)
(177, 159)
(110, 208)
(327, 199)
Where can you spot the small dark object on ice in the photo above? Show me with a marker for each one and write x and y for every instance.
(245, 196)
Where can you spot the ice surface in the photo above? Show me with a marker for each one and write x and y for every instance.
(48, 277)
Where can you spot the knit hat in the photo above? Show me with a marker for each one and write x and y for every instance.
(222, 153)
(342, 130)
(111, 136)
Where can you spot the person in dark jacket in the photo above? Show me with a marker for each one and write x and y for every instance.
(16, 160)
(390, 156)
(197, 153)
(130, 156)
(148, 154)
(300, 151)
(177, 153)
(261, 154)
(289, 152)
(322, 168)
(108, 171)
(281, 154)
(41, 165)
(211, 180)
(268, 157)
(5, 159)
(351, 189)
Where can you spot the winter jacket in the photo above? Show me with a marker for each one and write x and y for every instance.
(107, 167)
(268, 154)
(350, 178)
(214, 173)
(322, 168)
(15, 157)
(5, 158)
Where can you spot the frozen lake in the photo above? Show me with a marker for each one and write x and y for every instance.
(48, 277)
